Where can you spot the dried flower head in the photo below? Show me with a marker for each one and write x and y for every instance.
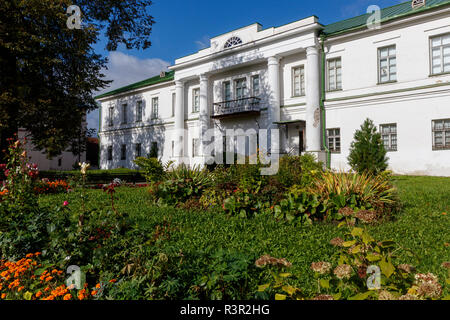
(324, 297)
(268, 260)
(408, 297)
(386, 295)
(428, 285)
(343, 271)
(346, 212)
(407, 268)
(337, 242)
(321, 267)
(367, 216)
(445, 265)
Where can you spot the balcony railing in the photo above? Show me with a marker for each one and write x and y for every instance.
(235, 107)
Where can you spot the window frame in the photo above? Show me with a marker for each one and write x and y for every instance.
(334, 136)
(430, 52)
(123, 152)
(244, 88)
(302, 83)
(390, 148)
(109, 151)
(174, 102)
(444, 131)
(254, 77)
(195, 108)
(139, 111)
(138, 150)
(388, 57)
(155, 111)
(111, 116)
(335, 74)
(124, 113)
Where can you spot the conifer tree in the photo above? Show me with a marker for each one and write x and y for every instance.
(367, 151)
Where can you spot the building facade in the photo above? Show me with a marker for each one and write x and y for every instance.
(316, 84)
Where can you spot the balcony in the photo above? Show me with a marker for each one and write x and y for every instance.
(247, 106)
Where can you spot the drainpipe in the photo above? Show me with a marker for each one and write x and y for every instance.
(98, 135)
(322, 103)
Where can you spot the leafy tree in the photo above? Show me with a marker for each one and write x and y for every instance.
(367, 151)
(48, 71)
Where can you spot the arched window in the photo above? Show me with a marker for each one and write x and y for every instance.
(233, 41)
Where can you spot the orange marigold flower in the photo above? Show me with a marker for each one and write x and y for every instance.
(67, 297)
(98, 285)
(113, 281)
(94, 292)
(29, 255)
(38, 294)
(49, 279)
(3, 295)
(46, 289)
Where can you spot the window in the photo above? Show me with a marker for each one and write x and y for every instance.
(196, 100)
(241, 88)
(227, 91)
(174, 102)
(440, 54)
(298, 81)
(155, 106)
(334, 74)
(154, 150)
(255, 86)
(59, 162)
(389, 136)
(334, 140)
(387, 64)
(111, 116)
(124, 113)
(233, 41)
(195, 147)
(123, 152)
(441, 134)
(110, 153)
(138, 150)
(139, 111)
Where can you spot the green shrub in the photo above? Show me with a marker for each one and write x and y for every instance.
(357, 191)
(182, 183)
(367, 151)
(299, 170)
(152, 168)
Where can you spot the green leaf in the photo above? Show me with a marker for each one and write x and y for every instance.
(348, 244)
(289, 290)
(324, 283)
(280, 297)
(361, 296)
(373, 258)
(285, 275)
(387, 268)
(27, 295)
(357, 232)
(356, 249)
(263, 287)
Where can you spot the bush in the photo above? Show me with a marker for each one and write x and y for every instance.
(367, 151)
(152, 168)
(180, 184)
(299, 170)
(357, 191)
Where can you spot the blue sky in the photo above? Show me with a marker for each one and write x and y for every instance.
(184, 26)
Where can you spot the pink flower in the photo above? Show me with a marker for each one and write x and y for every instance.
(66, 203)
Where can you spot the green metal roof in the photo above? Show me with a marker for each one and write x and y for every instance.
(389, 13)
(141, 84)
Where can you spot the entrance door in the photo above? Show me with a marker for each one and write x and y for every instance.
(301, 142)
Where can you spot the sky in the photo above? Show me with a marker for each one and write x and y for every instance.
(185, 26)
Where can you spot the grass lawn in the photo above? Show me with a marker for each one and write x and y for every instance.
(420, 227)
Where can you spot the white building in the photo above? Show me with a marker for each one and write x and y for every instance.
(398, 75)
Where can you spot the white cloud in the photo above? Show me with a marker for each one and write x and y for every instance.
(126, 69)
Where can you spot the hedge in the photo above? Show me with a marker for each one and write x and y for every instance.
(97, 176)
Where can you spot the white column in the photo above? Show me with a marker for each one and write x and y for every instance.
(179, 135)
(313, 101)
(204, 113)
(274, 101)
